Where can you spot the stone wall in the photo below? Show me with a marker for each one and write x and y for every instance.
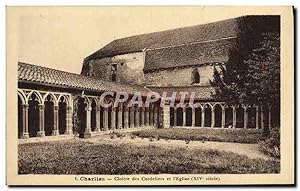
(179, 76)
(129, 68)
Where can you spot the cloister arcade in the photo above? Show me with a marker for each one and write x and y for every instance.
(43, 113)
(95, 118)
(220, 115)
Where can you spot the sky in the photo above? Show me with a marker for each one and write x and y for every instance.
(61, 37)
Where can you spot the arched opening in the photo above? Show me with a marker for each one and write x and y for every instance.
(140, 116)
(33, 115)
(218, 116)
(228, 117)
(198, 116)
(20, 118)
(179, 116)
(172, 117)
(101, 118)
(93, 115)
(207, 120)
(189, 113)
(123, 116)
(195, 76)
(251, 117)
(49, 115)
(117, 117)
(109, 110)
(239, 117)
(130, 122)
(62, 115)
(136, 117)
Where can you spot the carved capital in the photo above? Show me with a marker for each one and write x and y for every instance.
(126, 108)
(56, 107)
(25, 106)
(41, 106)
(98, 108)
(88, 108)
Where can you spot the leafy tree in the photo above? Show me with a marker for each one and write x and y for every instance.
(264, 75)
(251, 76)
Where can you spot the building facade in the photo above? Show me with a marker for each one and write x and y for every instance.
(51, 102)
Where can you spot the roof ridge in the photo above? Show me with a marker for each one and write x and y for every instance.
(229, 20)
(181, 28)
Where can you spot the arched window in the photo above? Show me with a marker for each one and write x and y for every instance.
(114, 72)
(195, 76)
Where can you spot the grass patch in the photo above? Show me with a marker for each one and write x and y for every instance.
(78, 157)
(204, 134)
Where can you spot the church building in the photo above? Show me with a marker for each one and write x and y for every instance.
(50, 101)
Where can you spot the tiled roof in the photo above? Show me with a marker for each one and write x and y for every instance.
(43, 75)
(187, 46)
(185, 35)
(201, 92)
(48, 76)
(189, 55)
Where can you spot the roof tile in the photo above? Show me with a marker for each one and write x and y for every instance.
(43, 75)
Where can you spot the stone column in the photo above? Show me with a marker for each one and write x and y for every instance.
(262, 117)
(256, 117)
(202, 117)
(97, 129)
(105, 115)
(245, 118)
(87, 131)
(212, 117)
(183, 117)
(113, 118)
(41, 132)
(126, 121)
(223, 117)
(159, 117)
(25, 134)
(175, 116)
(120, 116)
(142, 116)
(166, 116)
(150, 115)
(146, 116)
(132, 117)
(137, 116)
(234, 116)
(55, 131)
(69, 120)
(155, 115)
(193, 117)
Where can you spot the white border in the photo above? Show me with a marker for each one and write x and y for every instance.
(104, 2)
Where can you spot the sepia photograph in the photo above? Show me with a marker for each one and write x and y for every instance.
(150, 95)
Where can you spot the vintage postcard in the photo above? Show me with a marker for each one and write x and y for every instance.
(198, 95)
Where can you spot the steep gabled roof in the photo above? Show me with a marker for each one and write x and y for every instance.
(49, 76)
(185, 35)
(195, 45)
